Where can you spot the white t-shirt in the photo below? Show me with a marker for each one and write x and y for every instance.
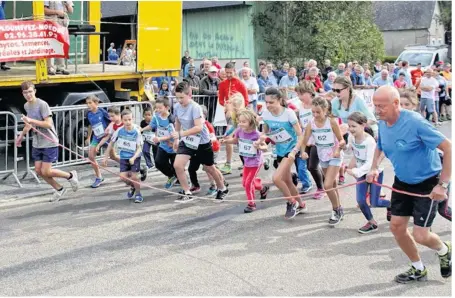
(252, 83)
(363, 154)
(429, 82)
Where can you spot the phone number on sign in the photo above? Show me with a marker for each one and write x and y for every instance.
(29, 34)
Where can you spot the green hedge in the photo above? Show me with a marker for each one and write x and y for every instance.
(390, 59)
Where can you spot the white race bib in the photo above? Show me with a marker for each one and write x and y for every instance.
(192, 141)
(323, 137)
(126, 145)
(246, 148)
(305, 117)
(162, 132)
(98, 130)
(360, 153)
(148, 136)
(280, 136)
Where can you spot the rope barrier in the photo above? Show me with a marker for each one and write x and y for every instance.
(213, 199)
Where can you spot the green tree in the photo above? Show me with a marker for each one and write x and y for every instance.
(445, 15)
(339, 31)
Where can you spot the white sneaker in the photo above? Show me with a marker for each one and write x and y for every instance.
(74, 181)
(57, 195)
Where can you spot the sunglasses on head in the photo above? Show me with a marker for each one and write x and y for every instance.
(338, 90)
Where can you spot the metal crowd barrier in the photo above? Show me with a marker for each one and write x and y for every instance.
(71, 125)
(9, 167)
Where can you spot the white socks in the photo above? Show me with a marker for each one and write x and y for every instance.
(444, 250)
(418, 265)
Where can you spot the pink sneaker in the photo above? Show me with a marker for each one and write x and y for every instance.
(319, 194)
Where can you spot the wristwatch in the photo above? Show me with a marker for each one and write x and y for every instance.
(444, 185)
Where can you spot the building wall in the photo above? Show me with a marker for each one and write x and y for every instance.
(225, 32)
(395, 41)
(436, 28)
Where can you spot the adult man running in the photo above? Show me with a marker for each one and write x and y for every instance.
(194, 142)
(410, 143)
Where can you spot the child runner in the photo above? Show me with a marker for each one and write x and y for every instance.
(329, 142)
(99, 120)
(129, 143)
(363, 145)
(163, 123)
(192, 140)
(408, 101)
(44, 149)
(195, 164)
(233, 105)
(148, 135)
(248, 138)
(306, 94)
(282, 126)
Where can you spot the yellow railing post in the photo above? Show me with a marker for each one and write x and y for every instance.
(40, 64)
(94, 18)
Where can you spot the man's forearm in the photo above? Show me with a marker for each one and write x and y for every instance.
(375, 164)
(446, 172)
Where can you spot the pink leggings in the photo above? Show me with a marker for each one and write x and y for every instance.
(250, 182)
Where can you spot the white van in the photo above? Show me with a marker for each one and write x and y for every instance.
(428, 55)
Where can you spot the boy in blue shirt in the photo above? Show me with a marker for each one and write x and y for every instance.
(129, 143)
(99, 120)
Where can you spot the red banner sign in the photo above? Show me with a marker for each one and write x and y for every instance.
(28, 40)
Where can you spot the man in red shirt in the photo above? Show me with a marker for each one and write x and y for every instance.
(416, 74)
(231, 85)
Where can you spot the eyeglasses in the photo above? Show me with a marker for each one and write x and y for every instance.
(338, 90)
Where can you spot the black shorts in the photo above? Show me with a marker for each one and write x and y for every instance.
(204, 153)
(422, 209)
(125, 165)
(280, 158)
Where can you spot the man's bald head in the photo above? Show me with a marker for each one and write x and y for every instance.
(387, 103)
(391, 92)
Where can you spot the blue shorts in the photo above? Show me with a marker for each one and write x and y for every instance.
(334, 162)
(125, 165)
(49, 155)
(428, 103)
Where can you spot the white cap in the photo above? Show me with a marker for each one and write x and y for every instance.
(213, 69)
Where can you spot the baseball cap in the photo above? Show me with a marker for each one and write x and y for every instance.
(213, 69)
(440, 63)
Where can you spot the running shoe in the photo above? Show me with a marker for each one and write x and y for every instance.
(97, 182)
(226, 183)
(143, 172)
(131, 193)
(264, 191)
(226, 169)
(319, 194)
(152, 169)
(74, 181)
(212, 191)
(170, 182)
(240, 168)
(184, 197)
(295, 179)
(195, 190)
(249, 208)
(412, 275)
(291, 210)
(445, 261)
(335, 218)
(221, 195)
(139, 199)
(267, 164)
(341, 180)
(305, 190)
(58, 194)
(368, 228)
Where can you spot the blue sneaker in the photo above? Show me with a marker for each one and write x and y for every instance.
(131, 193)
(305, 190)
(97, 182)
(170, 182)
(139, 199)
(212, 191)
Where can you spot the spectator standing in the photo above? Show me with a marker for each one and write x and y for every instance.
(193, 80)
(377, 67)
(231, 85)
(215, 62)
(327, 69)
(246, 64)
(315, 80)
(209, 86)
(185, 59)
(205, 69)
(407, 73)
(447, 74)
(401, 82)
(368, 81)
(252, 88)
(264, 81)
(357, 78)
(222, 74)
(289, 82)
(416, 74)
(113, 56)
(187, 67)
(2, 17)
(383, 80)
(331, 76)
(57, 11)
(111, 47)
(271, 75)
(428, 86)
(340, 69)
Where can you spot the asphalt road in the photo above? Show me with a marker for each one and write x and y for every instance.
(98, 243)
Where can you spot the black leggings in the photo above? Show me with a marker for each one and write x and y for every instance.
(313, 166)
(164, 162)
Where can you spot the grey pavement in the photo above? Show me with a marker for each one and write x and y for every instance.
(96, 242)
